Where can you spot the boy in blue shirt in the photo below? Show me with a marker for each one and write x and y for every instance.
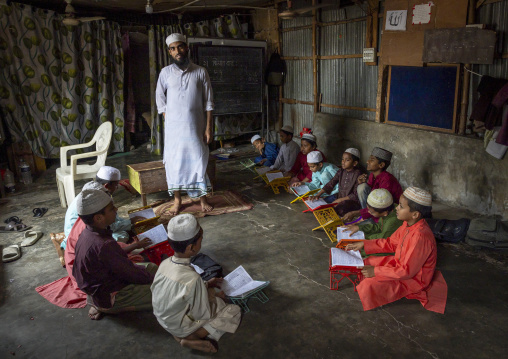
(268, 151)
(322, 173)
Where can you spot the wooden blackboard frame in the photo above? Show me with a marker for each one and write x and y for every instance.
(262, 64)
(420, 126)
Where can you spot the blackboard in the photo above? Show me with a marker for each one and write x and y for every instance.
(236, 74)
(423, 96)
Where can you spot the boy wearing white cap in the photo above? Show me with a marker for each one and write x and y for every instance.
(107, 179)
(380, 205)
(322, 173)
(300, 172)
(346, 181)
(185, 305)
(288, 151)
(268, 151)
(410, 273)
(101, 268)
(184, 93)
(377, 164)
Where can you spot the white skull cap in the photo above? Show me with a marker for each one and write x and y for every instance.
(175, 37)
(183, 227)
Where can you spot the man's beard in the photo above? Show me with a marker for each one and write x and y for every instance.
(183, 62)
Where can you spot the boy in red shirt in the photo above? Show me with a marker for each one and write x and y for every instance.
(411, 271)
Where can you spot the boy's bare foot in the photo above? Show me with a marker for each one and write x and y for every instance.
(94, 314)
(199, 344)
(205, 206)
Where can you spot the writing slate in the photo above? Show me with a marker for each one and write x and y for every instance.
(236, 74)
(423, 96)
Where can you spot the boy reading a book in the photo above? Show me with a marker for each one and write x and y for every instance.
(185, 305)
(101, 268)
(268, 151)
(411, 272)
(322, 173)
(379, 205)
(377, 164)
(288, 151)
(346, 180)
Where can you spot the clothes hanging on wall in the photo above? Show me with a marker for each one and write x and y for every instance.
(484, 114)
(499, 102)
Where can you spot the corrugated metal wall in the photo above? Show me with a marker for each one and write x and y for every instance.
(342, 82)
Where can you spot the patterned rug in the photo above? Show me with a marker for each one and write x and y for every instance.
(222, 202)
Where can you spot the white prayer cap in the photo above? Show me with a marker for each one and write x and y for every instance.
(255, 138)
(353, 151)
(419, 196)
(175, 37)
(109, 173)
(92, 201)
(287, 128)
(308, 136)
(183, 227)
(380, 198)
(94, 185)
(314, 157)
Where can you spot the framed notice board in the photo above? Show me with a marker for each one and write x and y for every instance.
(424, 97)
(236, 73)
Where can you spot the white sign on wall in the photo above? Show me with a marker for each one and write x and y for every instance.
(396, 20)
(369, 54)
(421, 13)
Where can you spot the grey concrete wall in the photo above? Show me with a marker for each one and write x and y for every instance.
(455, 169)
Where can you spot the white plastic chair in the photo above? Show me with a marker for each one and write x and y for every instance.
(66, 175)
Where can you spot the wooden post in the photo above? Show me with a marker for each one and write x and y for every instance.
(466, 79)
(314, 58)
(280, 120)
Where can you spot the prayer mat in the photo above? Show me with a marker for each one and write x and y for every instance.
(57, 239)
(222, 202)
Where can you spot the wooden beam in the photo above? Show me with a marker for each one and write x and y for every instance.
(349, 107)
(326, 57)
(292, 101)
(314, 58)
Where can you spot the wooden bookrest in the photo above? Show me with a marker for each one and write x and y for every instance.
(338, 273)
(328, 220)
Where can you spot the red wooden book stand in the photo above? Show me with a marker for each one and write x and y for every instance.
(338, 273)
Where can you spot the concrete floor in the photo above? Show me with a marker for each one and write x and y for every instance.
(273, 241)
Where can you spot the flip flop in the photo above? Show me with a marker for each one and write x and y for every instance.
(31, 237)
(11, 253)
(39, 212)
(14, 219)
(14, 227)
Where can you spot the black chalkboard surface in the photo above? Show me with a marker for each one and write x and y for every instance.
(236, 74)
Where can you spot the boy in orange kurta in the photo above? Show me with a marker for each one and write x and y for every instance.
(411, 271)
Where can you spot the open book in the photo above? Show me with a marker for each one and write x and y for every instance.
(146, 213)
(274, 175)
(239, 283)
(156, 234)
(262, 170)
(346, 258)
(343, 233)
(300, 190)
(247, 163)
(315, 204)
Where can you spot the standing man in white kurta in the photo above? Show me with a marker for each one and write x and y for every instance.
(184, 95)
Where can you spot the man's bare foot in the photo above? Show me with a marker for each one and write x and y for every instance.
(199, 344)
(94, 314)
(205, 206)
(175, 208)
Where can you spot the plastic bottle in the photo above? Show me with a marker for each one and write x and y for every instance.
(26, 174)
(9, 181)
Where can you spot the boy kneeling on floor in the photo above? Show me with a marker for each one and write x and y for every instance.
(102, 270)
(185, 305)
(411, 271)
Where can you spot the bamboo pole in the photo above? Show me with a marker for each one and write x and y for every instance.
(314, 57)
(464, 103)
(280, 119)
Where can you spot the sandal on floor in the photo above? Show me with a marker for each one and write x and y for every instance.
(14, 227)
(39, 212)
(31, 237)
(14, 219)
(11, 253)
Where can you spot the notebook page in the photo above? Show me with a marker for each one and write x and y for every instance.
(300, 190)
(272, 176)
(145, 213)
(346, 258)
(157, 235)
(315, 204)
(343, 233)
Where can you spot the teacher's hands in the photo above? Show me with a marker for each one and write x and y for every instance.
(208, 136)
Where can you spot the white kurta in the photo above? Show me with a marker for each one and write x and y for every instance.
(182, 303)
(287, 156)
(184, 97)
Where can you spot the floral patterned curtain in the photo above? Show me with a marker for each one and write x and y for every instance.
(59, 83)
(159, 58)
